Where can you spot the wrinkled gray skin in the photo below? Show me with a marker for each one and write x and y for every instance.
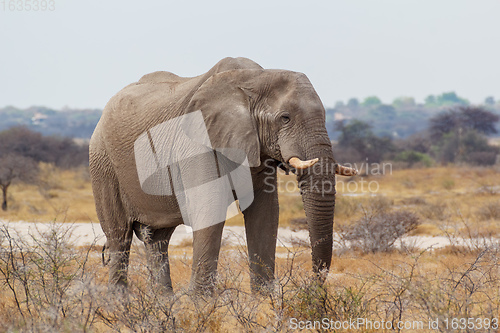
(244, 106)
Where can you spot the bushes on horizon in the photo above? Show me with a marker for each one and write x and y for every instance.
(360, 143)
(413, 157)
(63, 152)
(461, 120)
(469, 147)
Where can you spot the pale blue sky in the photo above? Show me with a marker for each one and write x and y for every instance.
(85, 51)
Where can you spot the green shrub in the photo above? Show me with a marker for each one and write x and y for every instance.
(412, 157)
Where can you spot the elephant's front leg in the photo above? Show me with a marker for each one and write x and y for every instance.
(261, 224)
(206, 247)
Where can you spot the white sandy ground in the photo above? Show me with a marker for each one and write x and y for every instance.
(91, 233)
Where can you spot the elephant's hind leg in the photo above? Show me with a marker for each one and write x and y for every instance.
(119, 239)
(114, 222)
(156, 242)
(119, 252)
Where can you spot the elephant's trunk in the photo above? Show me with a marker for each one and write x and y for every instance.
(317, 185)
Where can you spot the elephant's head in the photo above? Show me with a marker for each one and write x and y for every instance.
(277, 115)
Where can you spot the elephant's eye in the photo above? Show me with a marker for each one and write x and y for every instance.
(285, 118)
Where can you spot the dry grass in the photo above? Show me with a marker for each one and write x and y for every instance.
(60, 195)
(64, 289)
(427, 229)
(47, 285)
(435, 194)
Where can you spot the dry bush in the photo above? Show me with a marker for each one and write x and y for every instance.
(448, 184)
(46, 281)
(466, 290)
(412, 292)
(434, 211)
(408, 183)
(346, 207)
(378, 232)
(467, 238)
(427, 229)
(46, 285)
(49, 179)
(413, 201)
(49, 286)
(377, 205)
(483, 158)
(310, 300)
(349, 207)
(490, 211)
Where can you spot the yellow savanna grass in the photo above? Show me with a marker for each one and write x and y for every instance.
(438, 195)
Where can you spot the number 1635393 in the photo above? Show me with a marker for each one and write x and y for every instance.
(28, 5)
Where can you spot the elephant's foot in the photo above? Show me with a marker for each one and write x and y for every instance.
(262, 275)
(260, 286)
(203, 284)
(204, 290)
(118, 266)
(118, 295)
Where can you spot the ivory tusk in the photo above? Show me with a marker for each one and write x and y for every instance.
(298, 164)
(345, 171)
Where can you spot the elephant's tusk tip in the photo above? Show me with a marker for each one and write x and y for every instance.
(345, 171)
(297, 163)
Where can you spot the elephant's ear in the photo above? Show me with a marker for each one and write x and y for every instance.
(225, 107)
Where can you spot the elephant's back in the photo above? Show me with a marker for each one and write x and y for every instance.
(162, 77)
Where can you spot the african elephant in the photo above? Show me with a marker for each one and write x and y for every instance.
(169, 149)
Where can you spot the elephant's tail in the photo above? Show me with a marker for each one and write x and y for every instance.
(104, 261)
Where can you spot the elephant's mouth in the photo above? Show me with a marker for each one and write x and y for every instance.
(283, 166)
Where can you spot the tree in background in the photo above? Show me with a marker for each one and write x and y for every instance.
(490, 101)
(357, 142)
(413, 157)
(353, 103)
(63, 152)
(419, 142)
(371, 101)
(445, 99)
(339, 104)
(404, 102)
(15, 167)
(459, 135)
(22, 149)
(461, 119)
(383, 111)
